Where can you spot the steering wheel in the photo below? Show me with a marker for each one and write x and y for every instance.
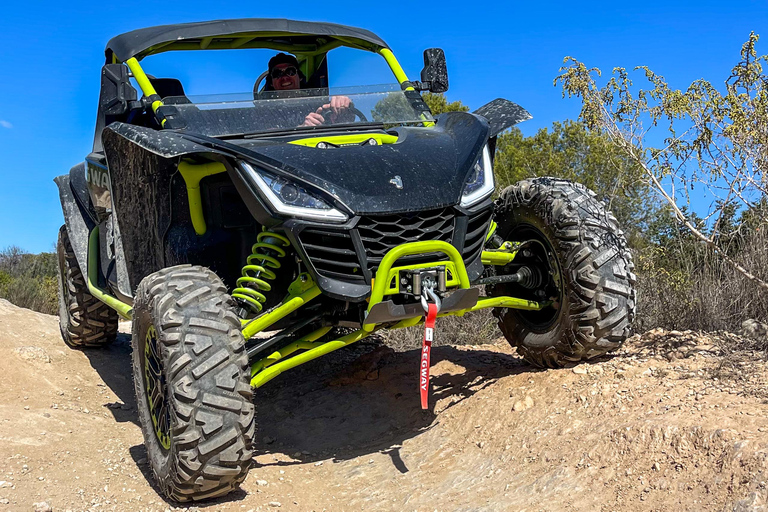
(257, 88)
(326, 111)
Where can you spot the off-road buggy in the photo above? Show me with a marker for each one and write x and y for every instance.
(240, 243)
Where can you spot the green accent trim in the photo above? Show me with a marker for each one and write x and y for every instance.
(400, 75)
(143, 80)
(394, 65)
(124, 310)
(192, 174)
(501, 256)
(289, 305)
(482, 303)
(408, 322)
(491, 231)
(150, 353)
(341, 140)
(255, 273)
(497, 258)
(273, 365)
(301, 284)
(279, 367)
(305, 343)
(381, 283)
(507, 302)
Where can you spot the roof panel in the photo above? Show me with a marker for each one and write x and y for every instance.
(146, 41)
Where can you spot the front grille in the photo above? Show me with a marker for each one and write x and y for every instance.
(477, 227)
(332, 253)
(380, 233)
(355, 254)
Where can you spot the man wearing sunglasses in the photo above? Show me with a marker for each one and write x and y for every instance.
(285, 75)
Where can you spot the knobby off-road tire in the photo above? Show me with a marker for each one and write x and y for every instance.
(597, 302)
(84, 321)
(192, 381)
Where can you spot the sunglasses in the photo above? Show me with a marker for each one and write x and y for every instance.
(279, 73)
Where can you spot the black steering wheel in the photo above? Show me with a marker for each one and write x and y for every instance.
(326, 111)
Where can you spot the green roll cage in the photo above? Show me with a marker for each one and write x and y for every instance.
(303, 290)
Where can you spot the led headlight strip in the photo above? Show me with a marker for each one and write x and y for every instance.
(479, 184)
(290, 198)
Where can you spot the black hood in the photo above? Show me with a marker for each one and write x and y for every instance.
(432, 164)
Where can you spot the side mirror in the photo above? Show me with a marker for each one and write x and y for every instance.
(116, 90)
(434, 76)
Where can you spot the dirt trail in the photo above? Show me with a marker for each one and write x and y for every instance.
(658, 427)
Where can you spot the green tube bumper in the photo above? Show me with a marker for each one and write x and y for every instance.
(124, 310)
(386, 282)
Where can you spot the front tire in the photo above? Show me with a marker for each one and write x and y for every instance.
(191, 377)
(588, 266)
(84, 321)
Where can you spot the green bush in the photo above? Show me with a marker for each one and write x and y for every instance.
(29, 280)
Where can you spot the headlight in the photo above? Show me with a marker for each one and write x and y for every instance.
(289, 198)
(479, 184)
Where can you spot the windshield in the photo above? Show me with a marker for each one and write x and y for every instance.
(305, 109)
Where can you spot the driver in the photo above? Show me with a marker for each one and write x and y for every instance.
(285, 75)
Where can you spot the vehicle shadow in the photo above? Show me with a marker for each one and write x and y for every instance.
(360, 400)
(331, 410)
(113, 364)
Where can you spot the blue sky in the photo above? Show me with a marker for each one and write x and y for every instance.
(52, 53)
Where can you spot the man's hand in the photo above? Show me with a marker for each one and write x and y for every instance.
(337, 104)
(314, 118)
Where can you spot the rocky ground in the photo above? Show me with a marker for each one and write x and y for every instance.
(674, 421)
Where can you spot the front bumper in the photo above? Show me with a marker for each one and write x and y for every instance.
(344, 259)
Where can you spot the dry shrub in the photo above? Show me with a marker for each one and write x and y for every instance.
(36, 294)
(472, 329)
(699, 291)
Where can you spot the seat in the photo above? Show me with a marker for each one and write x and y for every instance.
(167, 87)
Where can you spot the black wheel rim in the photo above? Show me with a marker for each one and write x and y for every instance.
(155, 389)
(63, 275)
(543, 258)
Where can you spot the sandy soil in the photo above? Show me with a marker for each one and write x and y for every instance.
(666, 424)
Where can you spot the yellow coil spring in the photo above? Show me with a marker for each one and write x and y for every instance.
(256, 272)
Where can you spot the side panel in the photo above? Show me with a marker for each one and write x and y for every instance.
(97, 177)
(151, 218)
(77, 220)
(78, 182)
(141, 203)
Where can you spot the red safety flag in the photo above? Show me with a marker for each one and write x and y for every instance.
(429, 332)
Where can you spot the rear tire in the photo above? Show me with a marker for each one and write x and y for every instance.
(596, 303)
(192, 382)
(84, 321)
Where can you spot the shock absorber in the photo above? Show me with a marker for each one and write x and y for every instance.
(264, 256)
